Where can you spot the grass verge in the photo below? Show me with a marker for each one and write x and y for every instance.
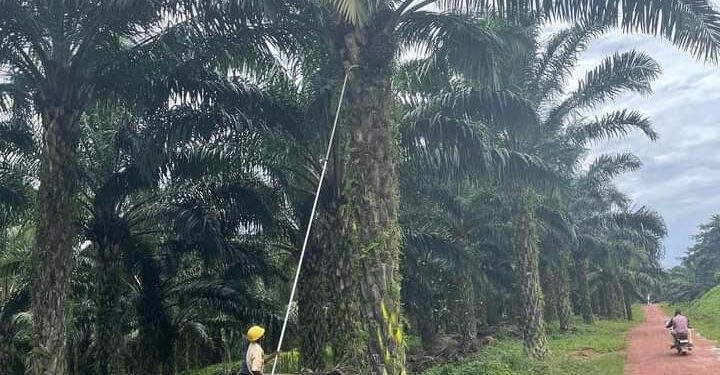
(593, 349)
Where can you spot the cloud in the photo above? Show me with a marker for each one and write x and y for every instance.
(681, 177)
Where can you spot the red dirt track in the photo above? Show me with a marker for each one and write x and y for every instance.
(649, 350)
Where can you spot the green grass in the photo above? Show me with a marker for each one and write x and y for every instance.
(592, 350)
(703, 313)
(232, 368)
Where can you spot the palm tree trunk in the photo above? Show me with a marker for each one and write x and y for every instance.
(56, 229)
(108, 308)
(427, 328)
(581, 266)
(372, 194)
(5, 352)
(564, 308)
(465, 311)
(628, 305)
(347, 336)
(312, 303)
(549, 288)
(525, 251)
(619, 299)
(157, 340)
(341, 283)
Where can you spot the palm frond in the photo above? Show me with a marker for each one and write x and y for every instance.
(615, 124)
(622, 72)
(692, 25)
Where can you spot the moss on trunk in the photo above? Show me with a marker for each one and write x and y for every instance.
(465, 311)
(108, 233)
(583, 286)
(564, 307)
(525, 251)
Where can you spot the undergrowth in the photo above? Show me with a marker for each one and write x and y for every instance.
(590, 350)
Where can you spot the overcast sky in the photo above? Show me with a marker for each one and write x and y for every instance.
(681, 176)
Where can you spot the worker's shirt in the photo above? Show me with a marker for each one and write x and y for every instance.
(255, 357)
(680, 324)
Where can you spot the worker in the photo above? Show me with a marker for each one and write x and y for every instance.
(255, 357)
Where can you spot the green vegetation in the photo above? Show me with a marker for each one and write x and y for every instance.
(592, 349)
(159, 160)
(218, 369)
(699, 270)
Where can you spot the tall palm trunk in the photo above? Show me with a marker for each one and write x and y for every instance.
(628, 305)
(345, 317)
(5, 351)
(585, 302)
(564, 308)
(109, 310)
(108, 233)
(618, 302)
(157, 336)
(55, 238)
(549, 282)
(313, 296)
(427, 327)
(465, 311)
(525, 251)
(340, 282)
(372, 194)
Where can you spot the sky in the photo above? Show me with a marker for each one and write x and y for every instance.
(681, 173)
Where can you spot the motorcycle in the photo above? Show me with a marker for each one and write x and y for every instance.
(683, 346)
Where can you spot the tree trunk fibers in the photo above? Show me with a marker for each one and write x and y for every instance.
(525, 249)
(564, 307)
(427, 327)
(549, 285)
(603, 301)
(465, 311)
(108, 232)
(5, 352)
(312, 313)
(55, 238)
(628, 305)
(108, 308)
(313, 294)
(584, 300)
(347, 334)
(341, 285)
(372, 194)
(157, 339)
(619, 311)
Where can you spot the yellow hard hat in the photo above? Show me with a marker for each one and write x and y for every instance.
(255, 333)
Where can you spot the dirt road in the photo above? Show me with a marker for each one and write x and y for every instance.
(649, 350)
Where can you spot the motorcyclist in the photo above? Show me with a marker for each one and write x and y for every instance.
(680, 327)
